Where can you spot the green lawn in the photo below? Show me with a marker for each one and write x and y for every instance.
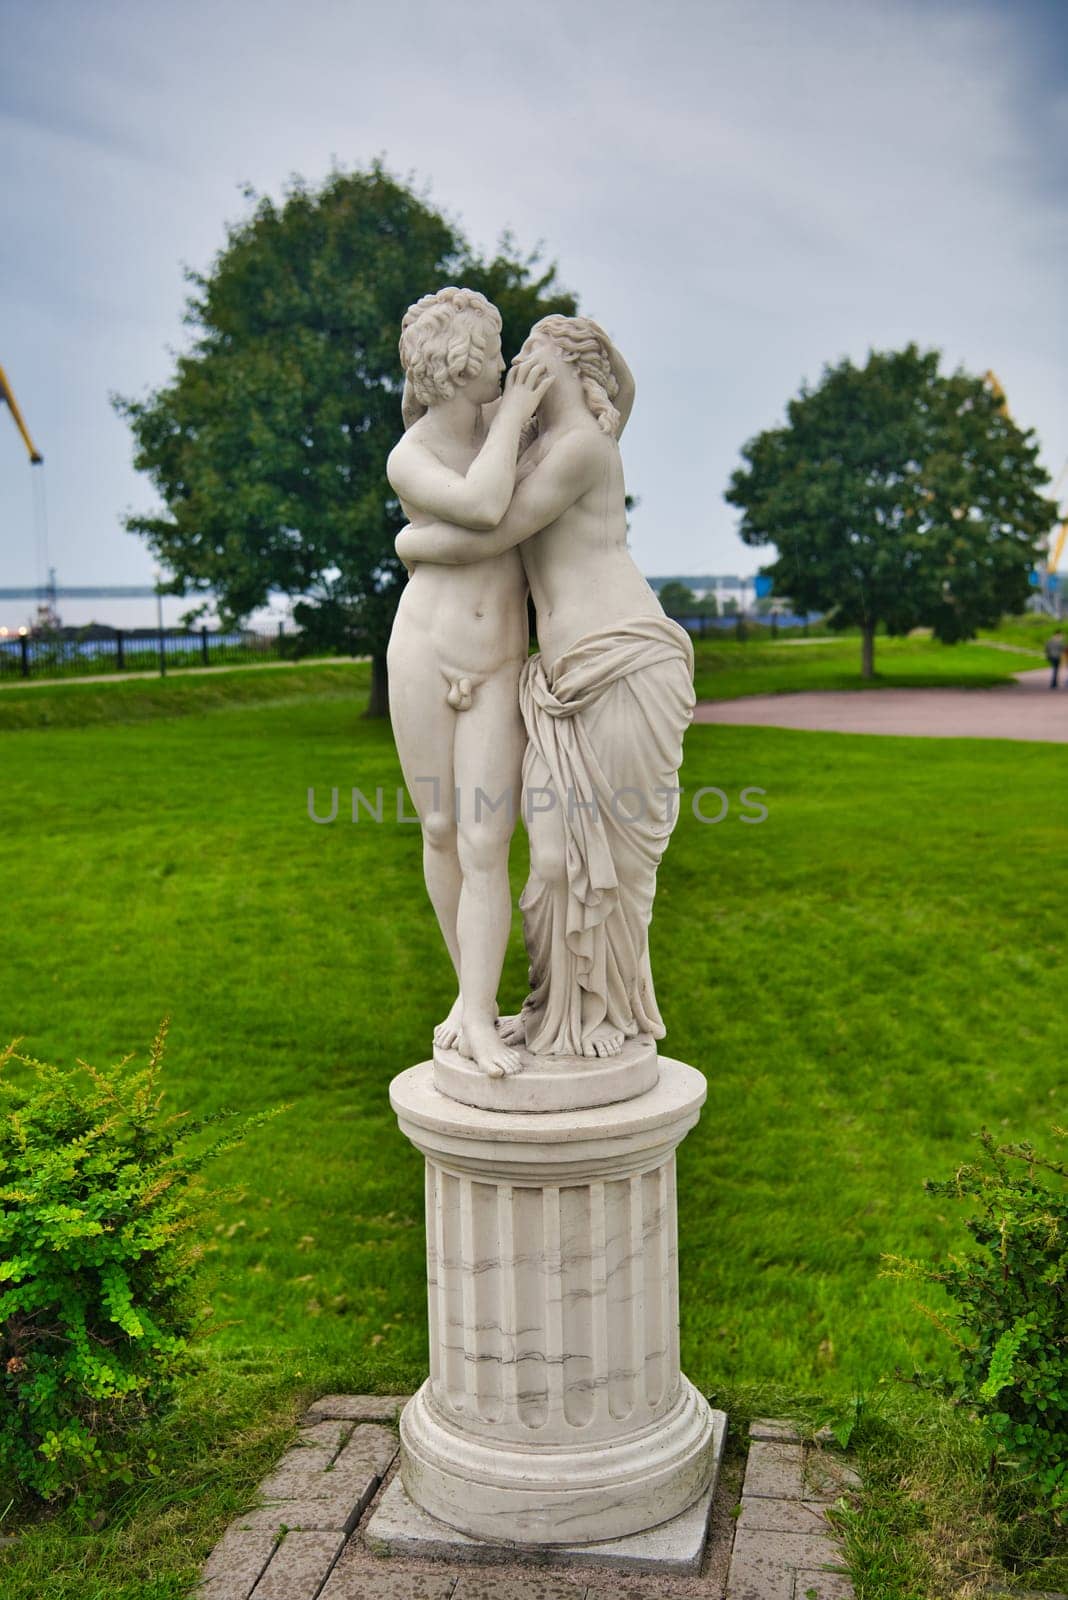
(866, 978)
(727, 670)
(79, 705)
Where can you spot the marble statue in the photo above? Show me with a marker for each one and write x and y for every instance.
(605, 703)
(555, 1412)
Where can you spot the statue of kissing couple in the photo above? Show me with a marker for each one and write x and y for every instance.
(508, 494)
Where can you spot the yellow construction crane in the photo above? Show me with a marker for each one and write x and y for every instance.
(1059, 537)
(46, 611)
(6, 393)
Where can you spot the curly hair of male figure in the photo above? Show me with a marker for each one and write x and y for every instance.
(584, 344)
(443, 341)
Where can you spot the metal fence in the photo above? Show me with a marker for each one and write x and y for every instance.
(745, 625)
(81, 655)
(28, 655)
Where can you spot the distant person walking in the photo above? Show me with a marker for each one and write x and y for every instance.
(1054, 652)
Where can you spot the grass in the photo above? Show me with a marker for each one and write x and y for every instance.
(81, 705)
(1026, 632)
(930, 1523)
(726, 670)
(866, 978)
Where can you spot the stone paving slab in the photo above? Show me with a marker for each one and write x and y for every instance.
(302, 1547)
(766, 1556)
(338, 1515)
(299, 1566)
(536, 1587)
(314, 1474)
(352, 1583)
(324, 1499)
(775, 1471)
(783, 1516)
(370, 1448)
(327, 1435)
(357, 1407)
(770, 1428)
(234, 1567)
(783, 1543)
(297, 1475)
(284, 1550)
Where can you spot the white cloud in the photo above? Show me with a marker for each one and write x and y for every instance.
(740, 191)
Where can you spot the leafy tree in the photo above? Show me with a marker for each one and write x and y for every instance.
(677, 599)
(897, 495)
(268, 444)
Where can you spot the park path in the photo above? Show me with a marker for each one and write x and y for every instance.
(1024, 709)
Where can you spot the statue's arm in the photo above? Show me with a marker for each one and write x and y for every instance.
(478, 498)
(573, 465)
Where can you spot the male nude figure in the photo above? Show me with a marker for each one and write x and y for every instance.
(459, 641)
(606, 704)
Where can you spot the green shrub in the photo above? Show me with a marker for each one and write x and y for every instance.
(100, 1193)
(1010, 1321)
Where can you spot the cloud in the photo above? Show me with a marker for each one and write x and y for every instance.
(740, 191)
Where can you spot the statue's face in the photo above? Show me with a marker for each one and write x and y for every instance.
(487, 386)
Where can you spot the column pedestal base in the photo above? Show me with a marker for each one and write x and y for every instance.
(555, 1413)
(572, 1494)
(401, 1529)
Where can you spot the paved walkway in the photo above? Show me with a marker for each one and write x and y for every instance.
(1024, 709)
(309, 1539)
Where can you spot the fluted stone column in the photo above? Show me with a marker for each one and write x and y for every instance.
(555, 1411)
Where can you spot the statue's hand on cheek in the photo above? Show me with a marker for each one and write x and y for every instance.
(526, 385)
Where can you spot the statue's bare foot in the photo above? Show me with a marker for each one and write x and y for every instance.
(489, 1052)
(604, 1041)
(447, 1034)
(513, 1030)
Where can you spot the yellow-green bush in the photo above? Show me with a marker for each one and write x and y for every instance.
(100, 1194)
(1010, 1312)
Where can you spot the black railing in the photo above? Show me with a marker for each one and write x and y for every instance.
(744, 625)
(100, 653)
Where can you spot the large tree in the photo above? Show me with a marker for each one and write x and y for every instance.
(897, 495)
(678, 599)
(268, 444)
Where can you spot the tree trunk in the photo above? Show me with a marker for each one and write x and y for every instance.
(378, 705)
(867, 652)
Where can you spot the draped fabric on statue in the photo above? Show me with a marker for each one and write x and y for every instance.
(605, 730)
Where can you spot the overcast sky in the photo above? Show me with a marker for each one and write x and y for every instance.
(740, 190)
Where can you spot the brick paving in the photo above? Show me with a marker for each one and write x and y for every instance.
(769, 1536)
(784, 1547)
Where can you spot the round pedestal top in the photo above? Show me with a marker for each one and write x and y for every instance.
(678, 1093)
